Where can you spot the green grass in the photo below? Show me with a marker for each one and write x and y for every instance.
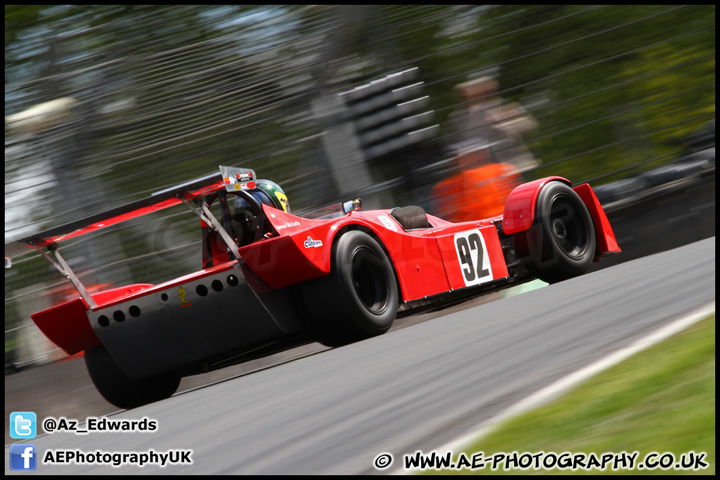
(660, 400)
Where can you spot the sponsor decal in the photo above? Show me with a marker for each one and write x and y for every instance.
(181, 293)
(288, 225)
(237, 184)
(312, 243)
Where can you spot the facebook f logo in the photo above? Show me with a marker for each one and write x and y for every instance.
(23, 456)
(23, 425)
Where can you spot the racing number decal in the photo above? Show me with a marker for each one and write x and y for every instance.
(473, 257)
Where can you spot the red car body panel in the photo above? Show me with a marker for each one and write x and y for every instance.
(456, 273)
(67, 326)
(425, 260)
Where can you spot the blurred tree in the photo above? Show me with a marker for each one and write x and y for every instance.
(156, 85)
(619, 85)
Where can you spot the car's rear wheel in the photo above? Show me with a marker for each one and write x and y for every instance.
(561, 242)
(359, 297)
(122, 392)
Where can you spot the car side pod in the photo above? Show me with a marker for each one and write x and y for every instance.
(558, 230)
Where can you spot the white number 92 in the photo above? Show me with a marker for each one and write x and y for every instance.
(473, 257)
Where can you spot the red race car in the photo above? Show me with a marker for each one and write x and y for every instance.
(271, 280)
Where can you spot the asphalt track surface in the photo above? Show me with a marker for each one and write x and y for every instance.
(415, 388)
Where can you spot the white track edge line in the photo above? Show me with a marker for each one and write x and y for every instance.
(563, 385)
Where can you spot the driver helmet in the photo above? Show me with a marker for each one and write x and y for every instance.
(267, 192)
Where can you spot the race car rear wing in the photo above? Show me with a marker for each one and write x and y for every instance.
(230, 178)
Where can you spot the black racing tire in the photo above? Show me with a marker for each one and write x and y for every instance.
(122, 392)
(561, 243)
(358, 299)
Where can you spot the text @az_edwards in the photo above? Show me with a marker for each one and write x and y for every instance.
(99, 424)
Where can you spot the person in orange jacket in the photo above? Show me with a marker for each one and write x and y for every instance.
(489, 152)
(476, 192)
